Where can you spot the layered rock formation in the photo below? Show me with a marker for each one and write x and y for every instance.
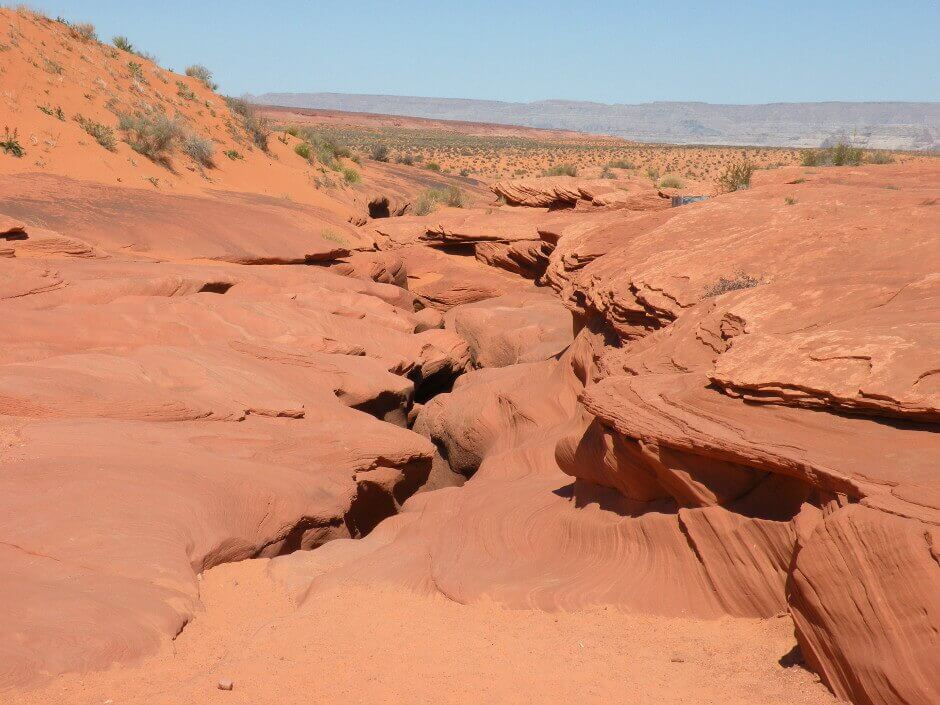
(723, 409)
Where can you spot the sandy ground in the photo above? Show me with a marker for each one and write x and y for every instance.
(382, 644)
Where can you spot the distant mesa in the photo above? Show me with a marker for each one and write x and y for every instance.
(900, 126)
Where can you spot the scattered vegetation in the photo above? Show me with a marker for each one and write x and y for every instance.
(103, 134)
(736, 177)
(406, 159)
(606, 173)
(379, 153)
(561, 170)
(670, 182)
(184, 91)
(652, 173)
(151, 136)
(137, 70)
(10, 144)
(54, 112)
(448, 196)
(257, 126)
(202, 150)
(203, 75)
(303, 149)
(233, 154)
(738, 281)
(351, 176)
(879, 158)
(620, 164)
(433, 166)
(333, 236)
(789, 200)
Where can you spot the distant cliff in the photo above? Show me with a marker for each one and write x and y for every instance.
(873, 125)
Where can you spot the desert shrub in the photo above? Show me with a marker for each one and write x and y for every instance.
(303, 150)
(200, 149)
(292, 130)
(620, 164)
(257, 126)
(333, 236)
(561, 170)
(670, 182)
(736, 177)
(879, 158)
(840, 155)
(85, 31)
(123, 43)
(738, 281)
(154, 137)
(53, 67)
(136, 69)
(103, 134)
(379, 153)
(10, 143)
(430, 198)
(201, 74)
(606, 173)
(233, 154)
(405, 159)
(432, 166)
(351, 176)
(789, 200)
(652, 173)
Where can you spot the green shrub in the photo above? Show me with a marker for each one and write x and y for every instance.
(303, 150)
(154, 137)
(620, 164)
(561, 170)
(449, 196)
(10, 143)
(736, 177)
(809, 158)
(200, 149)
(670, 182)
(351, 176)
(432, 166)
(652, 173)
(57, 112)
(201, 74)
(379, 153)
(405, 159)
(233, 154)
(184, 91)
(789, 200)
(123, 43)
(840, 155)
(103, 134)
(137, 70)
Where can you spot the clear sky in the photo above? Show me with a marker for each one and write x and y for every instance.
(606, 51)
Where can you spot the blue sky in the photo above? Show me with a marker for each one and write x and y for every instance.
(606, 51)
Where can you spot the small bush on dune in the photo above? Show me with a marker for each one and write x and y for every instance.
(606, 173)
(652, 173)
(201, 74)
(200, 149)
(880, 158)
(405, 159)
(351, 176)
(449, 196)
(123, 43)
(10, 144)
(103, 134)
(736, 177)
(432, 166)
(379, 153)
(840, 155)
(303, 150)
(154, 137)
(670, 182)
(84, 31)
(620, 164)
(257, 126)
(561, 170)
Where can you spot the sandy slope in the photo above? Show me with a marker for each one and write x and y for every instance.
(384, 644)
